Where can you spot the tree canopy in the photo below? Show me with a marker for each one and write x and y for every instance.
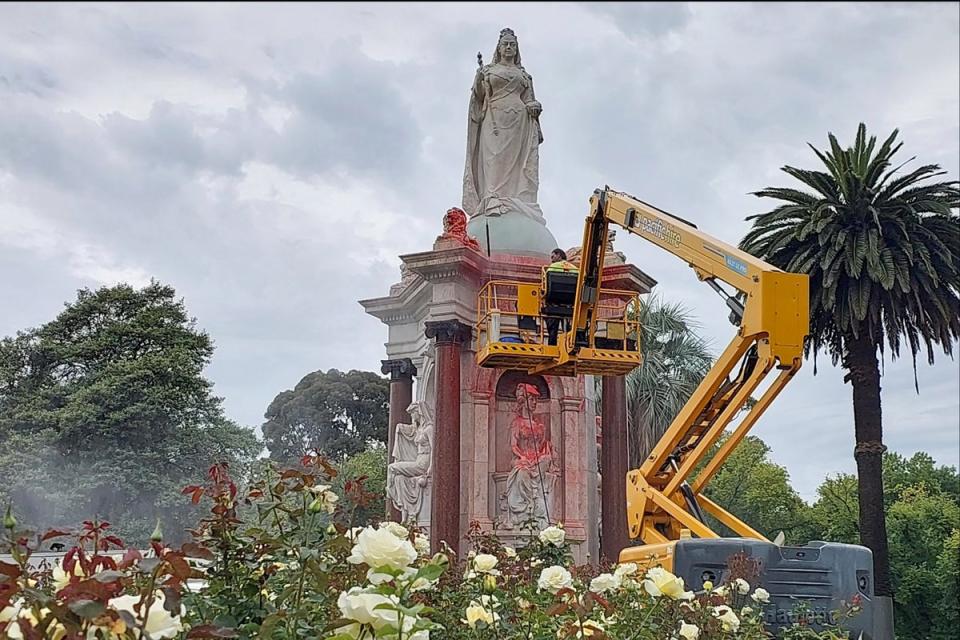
(334, 413)
(674, 361)
(104, 411)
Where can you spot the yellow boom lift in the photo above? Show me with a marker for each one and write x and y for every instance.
(665, 508)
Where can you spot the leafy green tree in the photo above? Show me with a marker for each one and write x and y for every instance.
(923, 521)
(104, 412)
(900, 473)
(948, 608)
(883, 255)
(835, 514)
(337, 414)
(674, 361)
(919, 524)
(756, 490)
(371, 465)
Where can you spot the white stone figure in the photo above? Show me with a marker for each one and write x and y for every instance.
(409, 473)
(533, 483)
(503, 138)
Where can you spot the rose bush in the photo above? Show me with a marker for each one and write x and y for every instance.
(286, 559)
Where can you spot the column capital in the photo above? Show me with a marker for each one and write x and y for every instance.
(448, 331)
(400, 369)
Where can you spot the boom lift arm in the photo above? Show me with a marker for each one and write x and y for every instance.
(770, 309)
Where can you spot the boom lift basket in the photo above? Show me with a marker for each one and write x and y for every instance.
(512, 327)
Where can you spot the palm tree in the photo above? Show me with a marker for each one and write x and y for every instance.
(674, 361)
(883, 255)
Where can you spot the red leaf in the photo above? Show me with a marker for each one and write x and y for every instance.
(27, 631)
(179, 566)
(194, 550)
(53, 533)
(114, 540)
(10, 570)
(90, 589)
(129, 557)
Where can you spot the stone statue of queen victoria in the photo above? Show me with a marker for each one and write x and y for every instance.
(501, 176)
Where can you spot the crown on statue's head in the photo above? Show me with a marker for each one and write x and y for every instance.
(507, 32)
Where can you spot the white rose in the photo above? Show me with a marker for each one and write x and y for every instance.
(660, 582)
(554, 578)
(8, 613)
(510, 552)
(746, 611)
(361, 606)
(689, 631)
(742, 586)
(422, 544)
(484, 563)
(490, 602)
(478, 613)
(55, 630)
(396, 529)
(626, 569)
(325, 500)
(553, 535)
(61, 578)
(761, 595)
(381, 548)
(160, 622)
(727, 617)
(605, 582)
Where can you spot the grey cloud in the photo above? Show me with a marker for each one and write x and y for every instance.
(31, 79)
(640, 19)
(166, 138)
(352, 117)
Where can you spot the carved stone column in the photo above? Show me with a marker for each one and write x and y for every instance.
(401, 395)
(445, 506)
(613, 468)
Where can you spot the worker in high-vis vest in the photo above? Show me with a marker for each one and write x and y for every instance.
(558, 262)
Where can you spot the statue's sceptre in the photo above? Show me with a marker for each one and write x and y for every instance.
(486, 94)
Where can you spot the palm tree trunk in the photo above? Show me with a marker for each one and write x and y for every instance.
(864, 375)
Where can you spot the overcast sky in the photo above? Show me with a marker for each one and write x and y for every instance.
(271, 161)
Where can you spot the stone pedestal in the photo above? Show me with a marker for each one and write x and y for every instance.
(430, 315)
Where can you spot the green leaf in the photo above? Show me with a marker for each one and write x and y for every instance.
(87, 609)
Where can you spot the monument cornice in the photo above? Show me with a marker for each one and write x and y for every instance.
(403, 307)
(627, 277)
(446, 264)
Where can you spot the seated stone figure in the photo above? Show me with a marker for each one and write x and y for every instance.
(409, 473)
